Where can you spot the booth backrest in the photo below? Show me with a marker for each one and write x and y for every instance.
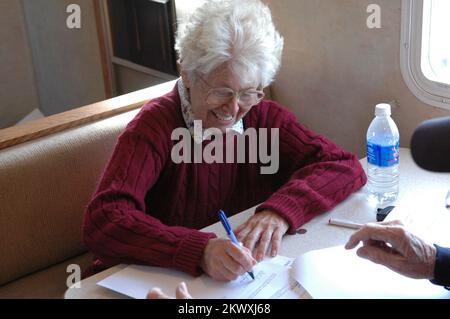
(45, 186)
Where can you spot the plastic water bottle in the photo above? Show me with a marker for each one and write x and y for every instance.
(383, 157)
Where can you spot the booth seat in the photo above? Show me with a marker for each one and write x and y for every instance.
(45, 185)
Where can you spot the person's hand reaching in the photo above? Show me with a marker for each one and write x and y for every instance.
(391, 245)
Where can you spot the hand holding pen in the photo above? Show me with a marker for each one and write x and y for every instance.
(225, 261)
(229, 230)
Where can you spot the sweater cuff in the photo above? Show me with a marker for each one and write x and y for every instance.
(190, 251)
(442, 267)
(286, 208)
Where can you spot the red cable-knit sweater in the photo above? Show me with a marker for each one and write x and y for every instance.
(147, 209)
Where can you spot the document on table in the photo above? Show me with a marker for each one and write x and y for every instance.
(340, 274)
(272, 281)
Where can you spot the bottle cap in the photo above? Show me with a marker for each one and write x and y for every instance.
(382, 213)
(383, 109)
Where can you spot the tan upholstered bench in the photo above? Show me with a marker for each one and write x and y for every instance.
(45, 185)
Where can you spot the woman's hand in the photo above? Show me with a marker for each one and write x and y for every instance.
(225, 261)
(262, 231)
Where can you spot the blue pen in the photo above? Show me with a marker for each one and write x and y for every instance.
(226, 225)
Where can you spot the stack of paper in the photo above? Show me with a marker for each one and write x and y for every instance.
(272, 280)
(338, 273)
(327, 273)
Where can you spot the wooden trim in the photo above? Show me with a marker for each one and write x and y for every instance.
(104, 5)
(106, 65)
(77, 117)
(142, 69)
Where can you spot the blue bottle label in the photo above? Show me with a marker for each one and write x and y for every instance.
(382, 156)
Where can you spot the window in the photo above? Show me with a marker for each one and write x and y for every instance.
(425, 51)
(436, 40)
(143, 32)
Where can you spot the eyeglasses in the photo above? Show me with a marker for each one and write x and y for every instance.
(245, 98)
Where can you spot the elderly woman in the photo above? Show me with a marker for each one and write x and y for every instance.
(148, 208)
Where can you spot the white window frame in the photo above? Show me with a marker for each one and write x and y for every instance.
(428, 91)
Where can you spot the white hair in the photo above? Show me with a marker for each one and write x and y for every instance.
(240, 33)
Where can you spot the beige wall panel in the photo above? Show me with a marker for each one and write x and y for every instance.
(335, 69)
(18, 94)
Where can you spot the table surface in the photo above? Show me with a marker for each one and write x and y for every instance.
(420, 206)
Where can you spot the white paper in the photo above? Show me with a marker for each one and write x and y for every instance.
(340, 274)
(272, 280)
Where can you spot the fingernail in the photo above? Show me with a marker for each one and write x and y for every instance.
(350, 245)
(274, 253)
(362, 253)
